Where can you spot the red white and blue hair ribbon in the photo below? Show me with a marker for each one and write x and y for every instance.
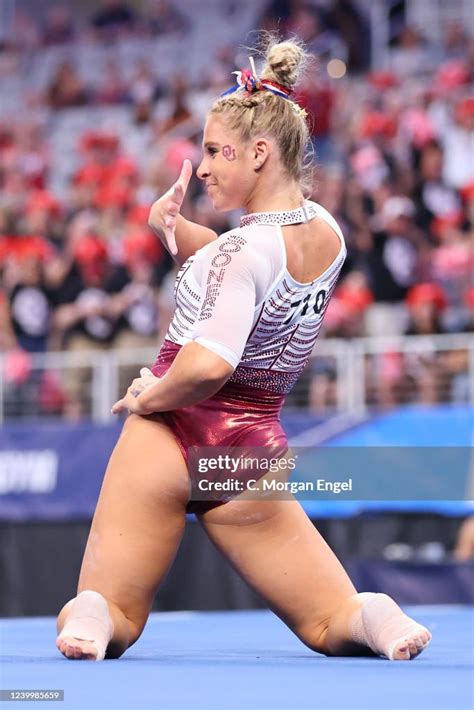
(248, 81)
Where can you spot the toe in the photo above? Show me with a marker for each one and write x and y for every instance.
(401, 652)
(419, 643)
(77, 649)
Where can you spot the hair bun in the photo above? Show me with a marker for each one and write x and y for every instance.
(284, 63)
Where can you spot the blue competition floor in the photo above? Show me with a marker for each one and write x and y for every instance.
(242, 661)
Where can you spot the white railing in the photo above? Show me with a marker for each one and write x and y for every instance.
(343, 376)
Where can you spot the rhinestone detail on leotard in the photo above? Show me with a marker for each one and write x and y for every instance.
(302, 214)
(270, 380)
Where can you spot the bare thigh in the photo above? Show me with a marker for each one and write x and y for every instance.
(278, 551)
(139, 519)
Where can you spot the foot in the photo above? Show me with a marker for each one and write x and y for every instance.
(77, 649)
(411, 644)
(87, 630)
(391, 633)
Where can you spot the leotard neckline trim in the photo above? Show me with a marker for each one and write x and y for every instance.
(303, 214)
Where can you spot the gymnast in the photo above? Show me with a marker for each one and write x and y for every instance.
(250, 304)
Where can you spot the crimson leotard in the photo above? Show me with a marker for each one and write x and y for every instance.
(236, 298)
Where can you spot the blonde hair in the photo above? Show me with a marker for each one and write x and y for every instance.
(263, 113)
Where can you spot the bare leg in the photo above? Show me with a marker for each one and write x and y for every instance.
(278, 551)
(134, 536)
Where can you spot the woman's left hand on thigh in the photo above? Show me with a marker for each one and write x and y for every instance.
(131, 401)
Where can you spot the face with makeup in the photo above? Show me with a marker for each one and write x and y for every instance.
(230, 167)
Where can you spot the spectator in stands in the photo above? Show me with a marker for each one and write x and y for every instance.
(346, 313)
(162, 17)
(59, 26)
(82, 314)
(369, 166)
(436, 376)
(26, 312)
(112, 19)
(456, 366)
(331, 191)
(468, 302)
(107, 175)
(67, 88)
(433, 198)
(455, 41)
(180, 116)
(458, 141)
(322, 387)
(24, 34)
(430, 380)
(452, 261)
(412, 54)
(43, 215)
(308, 22)
(391, 265)
(144, 91)
(345, 318)
(348, 18)
(28, 153)
(136, 308)
(388, 381)
(277, 14)
(83, 319)
(425, 302)
(317, 96)
(113, 88)
(28, 299)
(7, 336)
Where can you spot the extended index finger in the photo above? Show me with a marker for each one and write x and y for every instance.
(119, 406)
(181, 184)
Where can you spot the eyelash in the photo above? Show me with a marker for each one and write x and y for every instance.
(212, 151)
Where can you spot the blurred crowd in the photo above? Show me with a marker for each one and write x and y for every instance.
(110, 21)
(393, 155)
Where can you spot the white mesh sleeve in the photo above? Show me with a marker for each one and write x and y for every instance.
(233, 276)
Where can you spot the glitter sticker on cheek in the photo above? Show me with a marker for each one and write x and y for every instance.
(228, 152)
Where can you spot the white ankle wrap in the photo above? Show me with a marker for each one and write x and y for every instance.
(89, 620)
(381, 625)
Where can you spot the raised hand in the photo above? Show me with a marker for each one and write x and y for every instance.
(165, 211)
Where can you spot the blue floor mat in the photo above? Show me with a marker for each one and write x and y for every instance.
(241, 661)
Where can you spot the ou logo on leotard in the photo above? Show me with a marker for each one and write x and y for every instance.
(311, 303)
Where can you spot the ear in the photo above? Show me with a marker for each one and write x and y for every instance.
(262, 151)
